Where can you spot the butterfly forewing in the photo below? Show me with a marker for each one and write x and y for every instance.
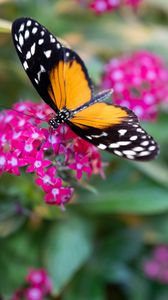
(61, 79)
(58, 73)
(39, 51)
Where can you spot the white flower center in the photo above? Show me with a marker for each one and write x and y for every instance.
(55, 191)
(8, 119)
(79, 166)
(16, 135)
(28, 148)
(22, 107)
(35, 135)
(14, 161)
(35, 294)
(3, 138)
(37, 164)
(46, 179)
(21, 123)
(2, 160)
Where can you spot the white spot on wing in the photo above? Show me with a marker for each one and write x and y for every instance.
(29, 23)
(144, 153)
(28, 55)
(99, 135)
(118, 153)
(58, 46)
(47, 53)
(102, 146)
(129, 152)
(151, 148)
(25, 65)
(114, 145)
(16, 38)
(145, 143)
(52, 39)
(89, 137)
(124, 143)
(122, 131)
(42, 70)
(133, 138)
(33, 48)
(138, 149)
(41, 41)
(34, 30)
(21, 40)
(140, 130)
(21, 27)
(130, 157)
(26, 35)
(18, 47)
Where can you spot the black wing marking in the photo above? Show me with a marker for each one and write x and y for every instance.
(40, 51)
(128, 139)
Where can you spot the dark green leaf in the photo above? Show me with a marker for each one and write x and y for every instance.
(68, 247)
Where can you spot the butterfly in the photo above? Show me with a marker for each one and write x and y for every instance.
(60, 77)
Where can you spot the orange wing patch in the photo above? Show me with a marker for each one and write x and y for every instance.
(69, 85)
(100, 115)
(57, 89)
(78, 90)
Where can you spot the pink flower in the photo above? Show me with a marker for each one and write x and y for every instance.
(3, 162)
(80, 165)
(18, 295)
(13, 163)
(161, 253)
(139, 82)
(57, 194)
(47, 178)
(37, 277)
(34, 293)
(151, 268)
(45, 152)
(102, 6)
(37, 163)
(156, 267)
(38, 286)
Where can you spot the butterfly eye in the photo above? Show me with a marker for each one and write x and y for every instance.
(61, 79)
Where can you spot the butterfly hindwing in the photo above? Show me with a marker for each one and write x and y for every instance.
(115, 129)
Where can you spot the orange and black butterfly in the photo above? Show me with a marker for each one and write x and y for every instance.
(61, 79)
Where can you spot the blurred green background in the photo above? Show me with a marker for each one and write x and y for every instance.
(95, 249)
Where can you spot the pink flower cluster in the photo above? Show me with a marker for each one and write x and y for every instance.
(38, 286)
(139, 82)
(102, 6)
(50, 154)
(156, 268)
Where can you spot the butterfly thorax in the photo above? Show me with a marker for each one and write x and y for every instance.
(62, 116)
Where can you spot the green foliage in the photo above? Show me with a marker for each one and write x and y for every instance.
(95, 248)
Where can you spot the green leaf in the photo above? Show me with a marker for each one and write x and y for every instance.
(141, 200)
(68, 247)
(85, 286)
(18, 253)
(139, 288)
(154, 170)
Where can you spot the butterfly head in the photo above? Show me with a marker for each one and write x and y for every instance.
(62, 116)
